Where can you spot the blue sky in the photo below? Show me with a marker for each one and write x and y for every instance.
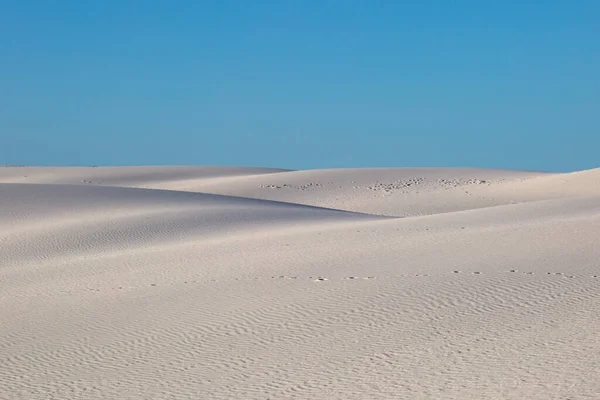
(301, 84)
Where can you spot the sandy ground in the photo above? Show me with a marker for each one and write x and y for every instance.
(254, 283)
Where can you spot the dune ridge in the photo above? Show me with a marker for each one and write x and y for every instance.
(256, 283)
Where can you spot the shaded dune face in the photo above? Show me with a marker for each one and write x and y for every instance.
(254, 283)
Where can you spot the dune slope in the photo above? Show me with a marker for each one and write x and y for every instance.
(248, 283)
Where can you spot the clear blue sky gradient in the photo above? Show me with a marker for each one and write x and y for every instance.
(301, 84)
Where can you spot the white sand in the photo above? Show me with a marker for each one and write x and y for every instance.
(248, 283)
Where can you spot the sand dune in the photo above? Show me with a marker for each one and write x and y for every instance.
(255, 283)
